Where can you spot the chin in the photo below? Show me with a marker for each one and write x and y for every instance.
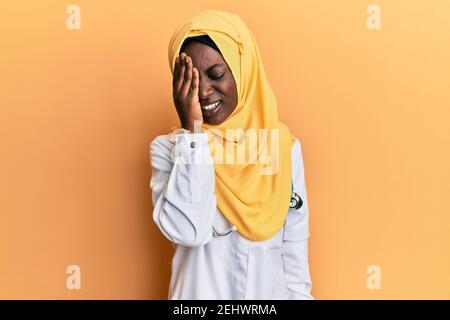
(214, 121)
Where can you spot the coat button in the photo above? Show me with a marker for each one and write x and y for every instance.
(193, 144)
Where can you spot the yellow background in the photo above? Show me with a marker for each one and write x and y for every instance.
(79, 109)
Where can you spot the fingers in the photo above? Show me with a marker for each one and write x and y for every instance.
(175, 71)
(187, 77)
(178, 74)
(195, 82)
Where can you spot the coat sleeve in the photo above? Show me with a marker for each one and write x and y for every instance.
(296, 233)
(182, 184)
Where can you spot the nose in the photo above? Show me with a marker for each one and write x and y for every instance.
(204, 88)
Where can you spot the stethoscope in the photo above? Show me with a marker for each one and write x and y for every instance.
(296, 203)
(222, 234)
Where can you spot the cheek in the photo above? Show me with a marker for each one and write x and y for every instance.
(229, 90)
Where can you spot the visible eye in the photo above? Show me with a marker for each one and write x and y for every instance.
(217, 77)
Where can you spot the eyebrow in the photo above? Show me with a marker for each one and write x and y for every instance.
(213, 66)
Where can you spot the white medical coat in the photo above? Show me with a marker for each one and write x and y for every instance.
(207, 265)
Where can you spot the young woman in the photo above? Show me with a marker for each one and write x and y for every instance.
(240, 228)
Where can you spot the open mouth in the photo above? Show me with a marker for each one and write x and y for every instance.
(211, 109)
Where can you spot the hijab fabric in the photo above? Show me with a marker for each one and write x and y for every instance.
(255, 195)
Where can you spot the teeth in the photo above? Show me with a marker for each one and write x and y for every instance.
(211, 106)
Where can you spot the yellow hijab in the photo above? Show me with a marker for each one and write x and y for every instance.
(255, 195)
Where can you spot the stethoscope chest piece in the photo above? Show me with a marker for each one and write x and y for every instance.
(296, 201)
